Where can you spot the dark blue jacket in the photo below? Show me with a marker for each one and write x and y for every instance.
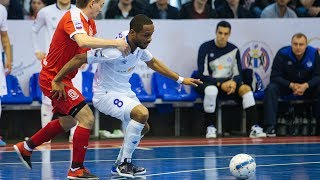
(286, 68)
(154, 13)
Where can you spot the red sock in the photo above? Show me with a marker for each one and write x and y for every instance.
(51, 130)
(80, 145)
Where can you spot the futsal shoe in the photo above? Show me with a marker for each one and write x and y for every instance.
(270, 131)
(125, 169)
(23, 154)
(136, 170)
(211, 132)
(257, 132)
(80, 173)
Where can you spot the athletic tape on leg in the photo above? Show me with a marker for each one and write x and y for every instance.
(210, 97)
(248, 100)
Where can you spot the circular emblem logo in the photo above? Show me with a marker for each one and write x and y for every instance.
(257, 55)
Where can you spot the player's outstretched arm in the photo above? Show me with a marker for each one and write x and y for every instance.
(57, 85)
(160, 67)
(85, 41)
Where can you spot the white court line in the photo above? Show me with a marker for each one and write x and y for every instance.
(175, 158)
(184, 146)
(242, 144)
(209, 169)
(141, 148)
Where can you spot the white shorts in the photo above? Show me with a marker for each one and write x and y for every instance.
(118, 105)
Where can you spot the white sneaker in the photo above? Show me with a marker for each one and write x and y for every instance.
(104, 134)
(117, 133)
(211, 132)
(257, 132)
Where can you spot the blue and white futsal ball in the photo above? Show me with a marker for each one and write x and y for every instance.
(242, 166)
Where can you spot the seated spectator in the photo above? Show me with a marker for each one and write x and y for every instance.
(295, 70)
(279, 9)
(233, 9)
(103, 10)
(35, 6)
(124, 9)
(217, 3)
(258, 5)
(15, 10)
(219, 68)
(197, 9)
(308, 8)
(161, 9)
(246, 3)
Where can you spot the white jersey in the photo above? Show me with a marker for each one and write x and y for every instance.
(3, 27)
(49, 18)
(114, 70)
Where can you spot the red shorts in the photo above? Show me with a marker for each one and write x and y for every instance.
(73, 98)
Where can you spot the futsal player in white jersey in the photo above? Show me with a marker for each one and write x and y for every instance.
(48, 18)
(7, 66)
(112, 91)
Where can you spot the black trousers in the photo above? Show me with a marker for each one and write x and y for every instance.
(272, 94)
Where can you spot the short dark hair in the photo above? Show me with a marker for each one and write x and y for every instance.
(223, 24)
(139, 21)
(83, 3)
(299, 35)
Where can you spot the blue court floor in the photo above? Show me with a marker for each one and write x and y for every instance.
(186, 161)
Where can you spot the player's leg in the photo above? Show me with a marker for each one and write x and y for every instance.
(51, 130)
(139, 117)
(136, 170)
(72, 133)
(80, 143)
(120, 106)
(77, 82)
(210, 93)
(75, 108)
(125, 122)
(249, 105)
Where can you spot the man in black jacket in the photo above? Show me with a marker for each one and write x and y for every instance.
(161, 9)
(295, 70)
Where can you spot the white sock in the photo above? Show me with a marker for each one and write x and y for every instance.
(124, 126)
(248, 100)
(46, 114)
(131, 139)
(73, 129)
(121, 153)
(210, 97)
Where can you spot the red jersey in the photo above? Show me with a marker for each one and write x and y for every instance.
(63, 47)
